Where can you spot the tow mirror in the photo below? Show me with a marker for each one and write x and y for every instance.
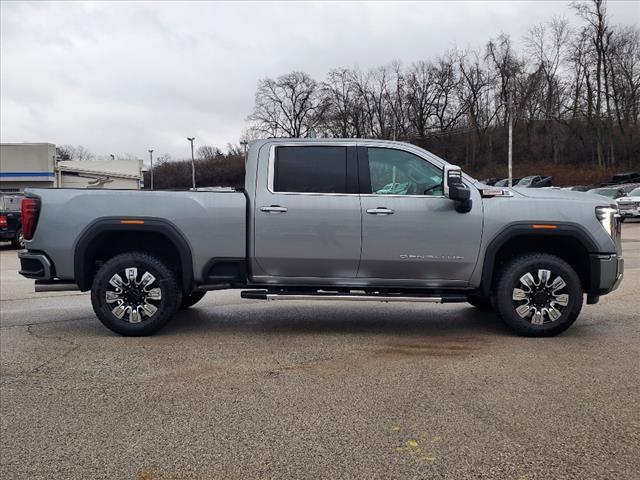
(455, 189)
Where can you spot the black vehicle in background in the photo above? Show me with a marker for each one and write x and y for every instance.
(505, 182)
(11, 219)
(535, 181)
(623, 178)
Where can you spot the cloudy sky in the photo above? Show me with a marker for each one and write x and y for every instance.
(123, 77)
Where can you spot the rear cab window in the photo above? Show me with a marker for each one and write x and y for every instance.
(312, 169)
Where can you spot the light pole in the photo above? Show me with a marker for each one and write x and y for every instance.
(193, 164)
(244, 144)
(151, 168)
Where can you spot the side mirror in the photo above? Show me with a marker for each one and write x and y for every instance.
(455, 189)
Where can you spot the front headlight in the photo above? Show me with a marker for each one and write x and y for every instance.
(608, 218)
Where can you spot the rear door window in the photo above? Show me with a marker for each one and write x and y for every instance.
(312, 169)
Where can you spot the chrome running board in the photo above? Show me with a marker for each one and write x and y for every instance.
(357, 297)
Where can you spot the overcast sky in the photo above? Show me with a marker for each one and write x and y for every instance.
(124, 77)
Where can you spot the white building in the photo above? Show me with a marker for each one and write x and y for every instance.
(34, 165)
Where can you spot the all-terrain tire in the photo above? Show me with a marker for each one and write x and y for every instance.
(191, 299)
(510, 286)
(108, 299)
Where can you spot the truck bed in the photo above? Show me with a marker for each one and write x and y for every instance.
(212, 223)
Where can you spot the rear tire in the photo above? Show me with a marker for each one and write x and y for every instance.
(135, 294)
(191, 300)
(539, 295)
(481, 303)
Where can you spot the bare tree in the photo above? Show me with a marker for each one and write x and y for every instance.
(206, 152)
(291, 106)
(78, 152)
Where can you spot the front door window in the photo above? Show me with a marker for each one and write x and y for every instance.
(396, 172)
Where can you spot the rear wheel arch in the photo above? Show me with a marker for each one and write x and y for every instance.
(107, 237)
(568, 241)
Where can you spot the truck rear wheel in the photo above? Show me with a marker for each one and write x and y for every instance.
(539, 295)
(135, 294)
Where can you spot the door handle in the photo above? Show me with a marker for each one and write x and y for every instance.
(274, 208)
(380, 211)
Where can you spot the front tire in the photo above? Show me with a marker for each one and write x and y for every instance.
(135, 294)
(539, 295)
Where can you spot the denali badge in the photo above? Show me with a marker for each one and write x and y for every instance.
(410, 256)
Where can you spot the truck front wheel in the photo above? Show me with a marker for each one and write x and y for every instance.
(135, 294)
(539, 295)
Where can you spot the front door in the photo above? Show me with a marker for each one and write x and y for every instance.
(409, 229)
(307, 219)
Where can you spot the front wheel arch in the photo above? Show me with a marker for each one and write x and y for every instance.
(568, 241)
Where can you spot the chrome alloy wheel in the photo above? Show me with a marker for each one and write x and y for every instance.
(540, 300)
(134, 295)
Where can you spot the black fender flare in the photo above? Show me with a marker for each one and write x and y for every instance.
(519, 229)
(131, 224)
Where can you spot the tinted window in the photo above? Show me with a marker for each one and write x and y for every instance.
(395, 172)
(311, 169)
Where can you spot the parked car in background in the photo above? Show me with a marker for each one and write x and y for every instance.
(534, 181)
(577, 188)
(505, 182)
(622, 178)
(629, 205)
(11, 219)
(609, 192)
(490, 181)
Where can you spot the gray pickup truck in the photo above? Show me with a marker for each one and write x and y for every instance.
(323, 219)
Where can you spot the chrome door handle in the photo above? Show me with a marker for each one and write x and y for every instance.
(274, 208)
(380, 211)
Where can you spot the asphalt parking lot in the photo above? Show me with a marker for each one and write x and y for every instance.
(247, 389)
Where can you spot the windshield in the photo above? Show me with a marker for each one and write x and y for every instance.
(635, 192)
(605, 192)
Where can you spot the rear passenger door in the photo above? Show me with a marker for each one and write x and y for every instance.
(308, 216)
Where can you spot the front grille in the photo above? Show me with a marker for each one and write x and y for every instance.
(629, 206)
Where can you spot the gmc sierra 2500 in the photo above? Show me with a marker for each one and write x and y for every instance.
(344, 219)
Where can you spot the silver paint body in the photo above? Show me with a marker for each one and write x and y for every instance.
(321, 239)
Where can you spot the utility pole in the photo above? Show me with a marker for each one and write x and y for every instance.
(244, 144)
(193, 164)
(510, 111)
(151, 168)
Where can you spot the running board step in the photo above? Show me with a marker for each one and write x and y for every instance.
(361, 297)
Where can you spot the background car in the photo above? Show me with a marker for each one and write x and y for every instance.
(490, 181)
(534, 181)
(629, 205)
(11, 220)
(505, 182)
(577, 188)
(612, 192)
(622, 178)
